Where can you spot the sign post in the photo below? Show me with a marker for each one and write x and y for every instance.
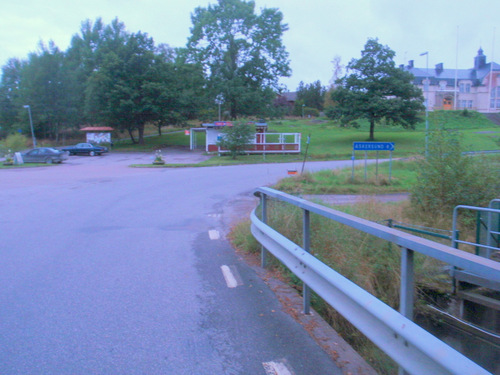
(372, 146)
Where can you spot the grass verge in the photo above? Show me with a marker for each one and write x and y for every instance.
(367, 261)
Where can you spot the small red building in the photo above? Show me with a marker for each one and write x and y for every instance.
(263, 143)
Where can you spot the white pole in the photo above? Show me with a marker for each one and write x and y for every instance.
(456, 75)
(31, 124)
(492, 97)
(426, 89)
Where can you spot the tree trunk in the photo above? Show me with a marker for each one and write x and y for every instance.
(140, 128)
(372, 130)
(131, 135)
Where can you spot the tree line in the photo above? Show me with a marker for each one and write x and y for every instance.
(234, 58)
(110, 76)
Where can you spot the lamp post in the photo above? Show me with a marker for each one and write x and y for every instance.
(426, 89)
(303, 105)
(219, 99)
(31, 124)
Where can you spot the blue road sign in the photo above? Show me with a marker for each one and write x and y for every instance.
(373, 146)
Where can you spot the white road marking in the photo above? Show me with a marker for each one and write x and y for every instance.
(230, 278)
(213, 234)
(276, 368)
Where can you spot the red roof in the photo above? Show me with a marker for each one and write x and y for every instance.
(97, 129)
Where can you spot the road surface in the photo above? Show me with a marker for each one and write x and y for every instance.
(106, 269)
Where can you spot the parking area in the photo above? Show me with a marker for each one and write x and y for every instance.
(170, 155)
(116, 158)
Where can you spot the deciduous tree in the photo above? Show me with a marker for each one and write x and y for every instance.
(241, 53)
(312, 95)
(375, 89)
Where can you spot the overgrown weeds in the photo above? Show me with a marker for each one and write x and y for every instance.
(371, 263)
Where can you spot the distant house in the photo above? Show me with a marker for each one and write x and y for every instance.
(477, 88)
(289, 97)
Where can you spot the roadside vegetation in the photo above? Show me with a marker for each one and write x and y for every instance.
(436, 183)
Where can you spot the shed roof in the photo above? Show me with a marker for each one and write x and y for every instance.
(97, 129)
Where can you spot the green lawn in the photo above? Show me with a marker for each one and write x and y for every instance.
(330, 141)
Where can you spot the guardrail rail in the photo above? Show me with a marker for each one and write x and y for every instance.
(413, 348)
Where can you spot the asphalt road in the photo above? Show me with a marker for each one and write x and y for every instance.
(106, 269)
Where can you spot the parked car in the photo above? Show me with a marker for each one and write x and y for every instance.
(85, 149)
(47, 155)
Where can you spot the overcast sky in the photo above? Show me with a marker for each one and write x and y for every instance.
(318, 31)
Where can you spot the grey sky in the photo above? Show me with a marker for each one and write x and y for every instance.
(318, 29)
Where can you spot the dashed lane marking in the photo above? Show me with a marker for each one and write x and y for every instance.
(213, 234)
(277, 368)
(231, 276)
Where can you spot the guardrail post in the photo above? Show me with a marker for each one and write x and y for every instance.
(407, 283)
(263, 251)
(407, 288)
(306, 233)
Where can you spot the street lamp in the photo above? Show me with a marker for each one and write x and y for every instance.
(303, 105)
(426, 89)
(219, 99)
(31, 124)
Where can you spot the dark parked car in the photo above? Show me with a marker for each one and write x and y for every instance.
(85, 149)
(44, 155)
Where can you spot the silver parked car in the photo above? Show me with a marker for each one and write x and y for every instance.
(47, 155)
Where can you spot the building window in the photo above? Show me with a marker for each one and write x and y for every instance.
(464, 87)
(426, 83)
(495, 98)
(495, 92)
(442, 85)
(465, 103)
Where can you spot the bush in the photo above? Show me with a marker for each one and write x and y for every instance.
(236, 138)
(311, 112)
(447, 177)
(15, 142)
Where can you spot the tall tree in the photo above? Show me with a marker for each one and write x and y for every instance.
(376, 89)
(44, 87)
(83, 57)
(10, 102)
(312, 95)
(135, 83)
(241, 53)
(121, 91)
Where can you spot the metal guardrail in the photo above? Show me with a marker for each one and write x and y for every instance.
(488, 248)
(432, 232)
(413, 348)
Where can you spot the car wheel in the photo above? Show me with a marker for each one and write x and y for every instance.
(48, 161)
(92, 153)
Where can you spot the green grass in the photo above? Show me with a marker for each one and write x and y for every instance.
(330, 141)
(154, 142)
(28, 165)
(403, 176)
